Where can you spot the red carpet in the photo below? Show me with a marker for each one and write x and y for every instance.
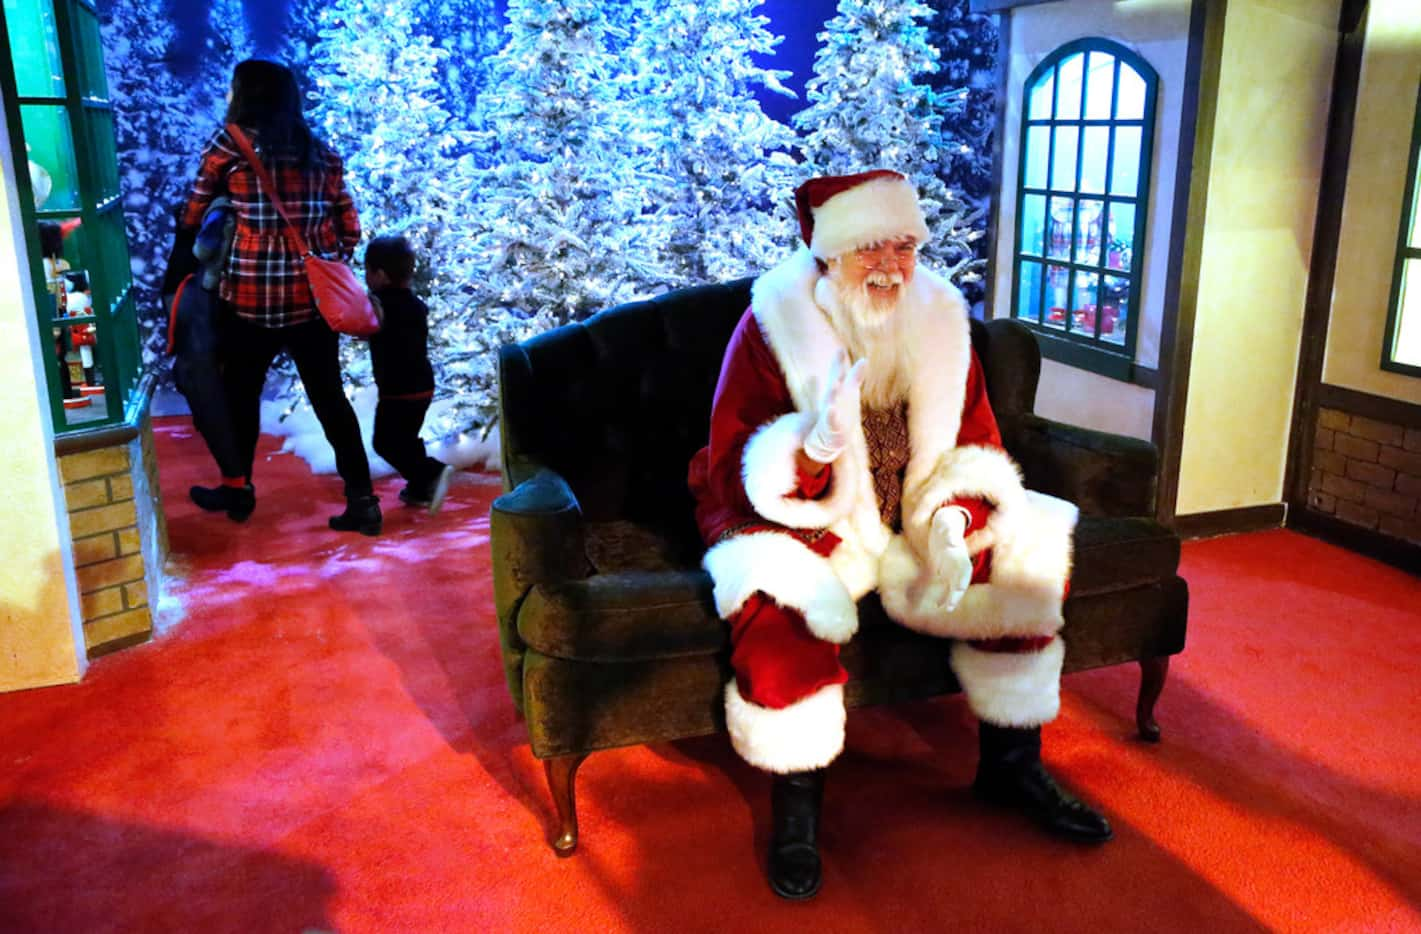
(325, 742)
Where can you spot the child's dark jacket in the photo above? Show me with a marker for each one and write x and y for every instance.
(399, 352)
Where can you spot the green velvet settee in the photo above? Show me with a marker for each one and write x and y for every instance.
(608, 631)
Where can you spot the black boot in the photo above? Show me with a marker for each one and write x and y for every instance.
(1010, 773)
(795, 802)
(362, 514)
(237, 502)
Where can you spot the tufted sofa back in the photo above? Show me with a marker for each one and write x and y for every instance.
(619, 403)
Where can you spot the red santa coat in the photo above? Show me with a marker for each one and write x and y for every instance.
(819, 555)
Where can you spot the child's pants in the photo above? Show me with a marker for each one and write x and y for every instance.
(397, 424)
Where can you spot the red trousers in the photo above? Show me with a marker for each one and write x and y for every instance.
(777, 660)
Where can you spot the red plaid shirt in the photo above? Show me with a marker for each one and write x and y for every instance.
(264, 279)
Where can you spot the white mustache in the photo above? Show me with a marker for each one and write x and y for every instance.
(882, 279)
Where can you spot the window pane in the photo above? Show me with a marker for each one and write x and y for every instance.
(1028, 298)
(91, 58)
(1058, 242)
(1125, 173)
(1100, 81)
(1088, 217)
(1068, 98)
(1033, 224)
(1063, 160)
(1131, 102)
(51, 157)
(1083, 311)
(1416, 214)
(1040, 107)
(1407, 346)
(80, 379)
(1114, 309)
(1057, 279)
(101, 138)
(1038, 153)
(1093, 156)
(34, 48)
(1120, 243)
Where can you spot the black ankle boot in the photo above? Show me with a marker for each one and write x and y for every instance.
(237, 502)
(795, 802)
(362, 514)
(1010, 773)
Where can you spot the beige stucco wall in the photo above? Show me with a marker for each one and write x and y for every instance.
(1371, 213)
(1269, 135)
(1158, 31)
(41, 639)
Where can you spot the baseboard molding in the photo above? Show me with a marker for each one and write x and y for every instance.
(1231, 521)
(1393, 551)
(1395, 411)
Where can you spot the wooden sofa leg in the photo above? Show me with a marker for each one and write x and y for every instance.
(562, 778)
(1153, 672)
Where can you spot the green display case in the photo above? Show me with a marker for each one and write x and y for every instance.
(58, 114)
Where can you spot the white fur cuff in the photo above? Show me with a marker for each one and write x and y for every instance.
(771, 477)
(808, 734)
(790, 573)
(1019, 689)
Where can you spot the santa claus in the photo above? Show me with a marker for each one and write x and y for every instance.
(852, 449)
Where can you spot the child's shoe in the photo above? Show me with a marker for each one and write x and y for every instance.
(440, 488)
(414, 496)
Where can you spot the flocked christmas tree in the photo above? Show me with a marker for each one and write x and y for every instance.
(967, 42)
(157, 138)
(379, 104)
(870, 107)
(227, 43)
(719, 165)
(562, 209)
(160, 124)
(467, 31)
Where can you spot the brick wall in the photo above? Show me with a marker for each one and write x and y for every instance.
(1367, 473)
(109, 544)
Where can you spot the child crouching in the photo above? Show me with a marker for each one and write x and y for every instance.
(399, 356)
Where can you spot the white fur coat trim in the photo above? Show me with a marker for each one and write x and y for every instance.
(804, 344)
(771, 477)
(808, 734)
(787, 570)
(1010, 688)
(1026, 588)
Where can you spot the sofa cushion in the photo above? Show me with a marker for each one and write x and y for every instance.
(1117, 554)
(623, 617)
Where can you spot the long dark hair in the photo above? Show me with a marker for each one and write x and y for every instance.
(265, 99)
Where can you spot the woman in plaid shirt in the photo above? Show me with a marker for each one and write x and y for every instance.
(266, 299)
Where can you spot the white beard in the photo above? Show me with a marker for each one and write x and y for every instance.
(871, 329)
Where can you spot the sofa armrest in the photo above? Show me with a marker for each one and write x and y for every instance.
(536, 536)
(1104, 474)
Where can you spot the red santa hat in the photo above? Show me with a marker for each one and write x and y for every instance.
(843, 212)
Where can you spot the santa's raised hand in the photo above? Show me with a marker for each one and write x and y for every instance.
(839, 407)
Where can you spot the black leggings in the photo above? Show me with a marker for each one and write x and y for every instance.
(248, 351)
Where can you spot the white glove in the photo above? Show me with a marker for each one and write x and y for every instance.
(839, 408)
(948, 561)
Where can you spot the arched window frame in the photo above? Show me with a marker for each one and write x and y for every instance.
(1408, 257)
(1069, 343)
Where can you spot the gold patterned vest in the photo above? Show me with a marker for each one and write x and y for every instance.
(886, 431)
